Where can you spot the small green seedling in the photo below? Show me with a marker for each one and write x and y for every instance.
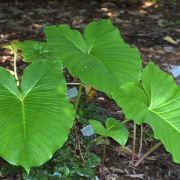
(112, 128)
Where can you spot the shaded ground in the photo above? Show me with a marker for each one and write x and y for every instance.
(145, 25)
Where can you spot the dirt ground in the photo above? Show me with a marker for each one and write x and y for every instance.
(154, 28)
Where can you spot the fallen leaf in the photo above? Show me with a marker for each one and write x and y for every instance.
(169, 39)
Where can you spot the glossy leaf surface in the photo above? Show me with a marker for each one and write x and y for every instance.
(157, 102)
(34, 121)
(113, 129)
(100, 58)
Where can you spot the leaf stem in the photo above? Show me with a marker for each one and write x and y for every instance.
(75, 127)
(104, 152)
(79, 143)
(73, 84)
(103, 158)
(78, 97)
(15, 65)
(147, 153)
(141, 142)
(134, 143)
(125, 121)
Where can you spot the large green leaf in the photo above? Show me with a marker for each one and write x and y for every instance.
(34, 51)
(100, 57)
(35, 121)
(156, 102)
(113, 129)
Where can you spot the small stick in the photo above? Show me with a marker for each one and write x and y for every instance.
(103, 158)
(147, 153)
(104, 152)
(79, 144)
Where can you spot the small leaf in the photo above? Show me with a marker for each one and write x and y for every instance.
(114, 129)
(98, 127)
(35, 51)
(92, 160)
(117, 131)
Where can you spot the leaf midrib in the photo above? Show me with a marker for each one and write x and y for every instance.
(98, 60)
(87, 53)
(107, 68)
(12, 92)
(77, 46)
(23, 122)
(21, 98)
(165, 120)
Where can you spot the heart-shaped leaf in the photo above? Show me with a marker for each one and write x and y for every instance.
(155, 101)
(35, 121)
(113, 129)
(100, 58)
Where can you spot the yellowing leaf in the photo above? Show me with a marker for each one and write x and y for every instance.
(169, 39)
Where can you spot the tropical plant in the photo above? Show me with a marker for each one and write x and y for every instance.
(39, 101)
(155, 101)
(113, 129)
(36, 117)
(99, 57)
